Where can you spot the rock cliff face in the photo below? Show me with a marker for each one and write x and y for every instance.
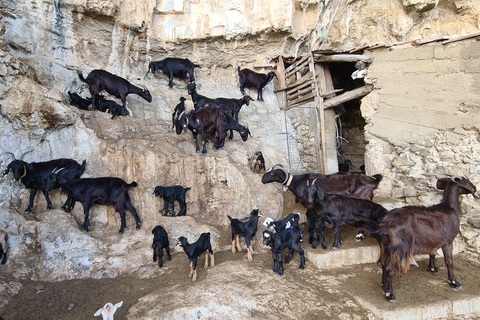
(44, 45)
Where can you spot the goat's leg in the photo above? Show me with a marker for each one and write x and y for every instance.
(280, 263)
(242, 87)
(290, 255)
(4, 258)
(129, 206)
(194, 266)
(432, 268)
(259, 94)
(167, 250)
(249, 250)
(231, 135)
(122, 219)
(237, 238)
(33, 192)
(197, 147)
(49, 203)
(233, 244)
(154, 247)
(447, 254)
(387, 285)
(67, 203)
(170, 80)
(212, 259)
(190, 273)
(86, 221)
(360, 236)
(338, 238)
(275, 262)
(160, 256)
(165, 206)
(172, 205)
(205, 266)
(204, 140)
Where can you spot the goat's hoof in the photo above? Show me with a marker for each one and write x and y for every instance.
(49, 208)
(169, 258)
(390, 297)
(121, 231)
(84, 230)
(137, 227)
(314, 246)
(433, 270)
(27, 211)
(455, 284)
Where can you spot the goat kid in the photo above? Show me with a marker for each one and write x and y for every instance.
(108, 310)
(177, 67)
(160, 242)
(290, 221)
(341, 209)
(179, 109)
(200, 101)
(259, 162)
(103, 191)
(252, 79)
(246, 229)
(3, 246)
(316, 228)
(40, 175)
(169, 195)
(287, 238)
(99, 80)
(355, 185)
(79, 102)
(195, 250)
(413, 230)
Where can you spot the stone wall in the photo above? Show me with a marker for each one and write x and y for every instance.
(422, 123)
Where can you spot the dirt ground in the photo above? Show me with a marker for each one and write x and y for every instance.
(153, 293)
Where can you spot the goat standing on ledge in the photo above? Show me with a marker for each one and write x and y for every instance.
(252, 79)
(247, 229)
(169, 195)
(195, 250)
(160, 242)
(412, 230)
(174, 67)
(99, 80)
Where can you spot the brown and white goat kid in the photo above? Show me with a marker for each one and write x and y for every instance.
(412, 230)
(195, 250)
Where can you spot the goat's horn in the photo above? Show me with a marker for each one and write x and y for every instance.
(11, 154)
(280, 167)
(57, 171)
(24, 172)
(23, 155)
(313, 182)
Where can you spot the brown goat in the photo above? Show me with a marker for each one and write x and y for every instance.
(412, 230)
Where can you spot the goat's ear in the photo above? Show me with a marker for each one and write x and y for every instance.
(99, 312)
(320, 193)
(442, 183)
(118, 305)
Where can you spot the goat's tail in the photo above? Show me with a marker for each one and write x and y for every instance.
(185, 190)
(238, 68)
(82, 168)
(80, 75)
(230, 218)
(132, 185)
(197, 66)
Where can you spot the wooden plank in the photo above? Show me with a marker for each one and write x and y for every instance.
(302, 99)
(296, 69)
(302, 80)
(347, 96)
(299, 93)
(344, 58)
(280, 83)
(300, 88)
(329, 93)
(296, 64)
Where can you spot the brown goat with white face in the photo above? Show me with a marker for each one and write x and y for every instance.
(412, 230)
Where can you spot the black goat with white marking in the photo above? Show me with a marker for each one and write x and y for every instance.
(174, 67)
(247, 229)
(79, 102)
(252, 79)
(179, 109)
(104, 191)
(290, 221)
(160, 242)
(3, 246)
(169, 195)
(40, 175)
(341, 209)
(288, 238)
(99, 80)
(197, 249)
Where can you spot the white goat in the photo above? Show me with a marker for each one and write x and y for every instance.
(108, 310)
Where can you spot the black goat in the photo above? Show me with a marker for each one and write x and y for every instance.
(290, 221)
(40, 175)
(160, 242)
(344, 166)
(287, 238)
(179, 109)
(79, 102)
(200, 101)
(99, 80)
(103, 191)
(169, 195)
(233, 106)
(206, 121)
(355, 185)
(195, 250)
(247, 229)
(3, 246)
(413, 230)
(342, 209)
(316, 228)
(174, 67)
(252, 79)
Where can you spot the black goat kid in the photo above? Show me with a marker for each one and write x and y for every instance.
(252, 79)
(40, 175)
(99, 80)
(195, 250)
(103, 191)
(287, 238)
(246, 229)
(79, 102)
(316, 228)
(169, 195)
(160, 242)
